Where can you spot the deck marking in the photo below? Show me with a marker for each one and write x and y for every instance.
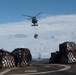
(66, 67)
(7, 70)
(4, 72)
(30, 71)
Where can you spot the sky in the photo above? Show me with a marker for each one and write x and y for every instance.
(56, 24)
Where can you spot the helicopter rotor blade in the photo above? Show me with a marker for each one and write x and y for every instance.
(27, 15)
(39, 13)
(30, 18)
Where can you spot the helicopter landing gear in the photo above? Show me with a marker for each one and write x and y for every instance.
(35, 25)
(35, 36)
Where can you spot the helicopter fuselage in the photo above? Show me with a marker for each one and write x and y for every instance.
(34, 20)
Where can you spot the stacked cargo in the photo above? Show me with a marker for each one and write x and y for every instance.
(68, 52)
(55, 57)
(6, 60)
(22, 56)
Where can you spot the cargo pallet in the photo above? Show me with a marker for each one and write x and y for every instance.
(66, 53)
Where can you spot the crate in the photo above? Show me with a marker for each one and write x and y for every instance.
(68, 57)
(6, 60)
(22, 56)
(68, 52)
(65, 46)
(55, 57)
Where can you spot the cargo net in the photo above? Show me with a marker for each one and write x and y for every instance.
(24, 63)
(8, 61)
(69, 58)
(22, 57)
(66, 53)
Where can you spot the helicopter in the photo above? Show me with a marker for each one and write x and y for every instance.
(34, 19)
